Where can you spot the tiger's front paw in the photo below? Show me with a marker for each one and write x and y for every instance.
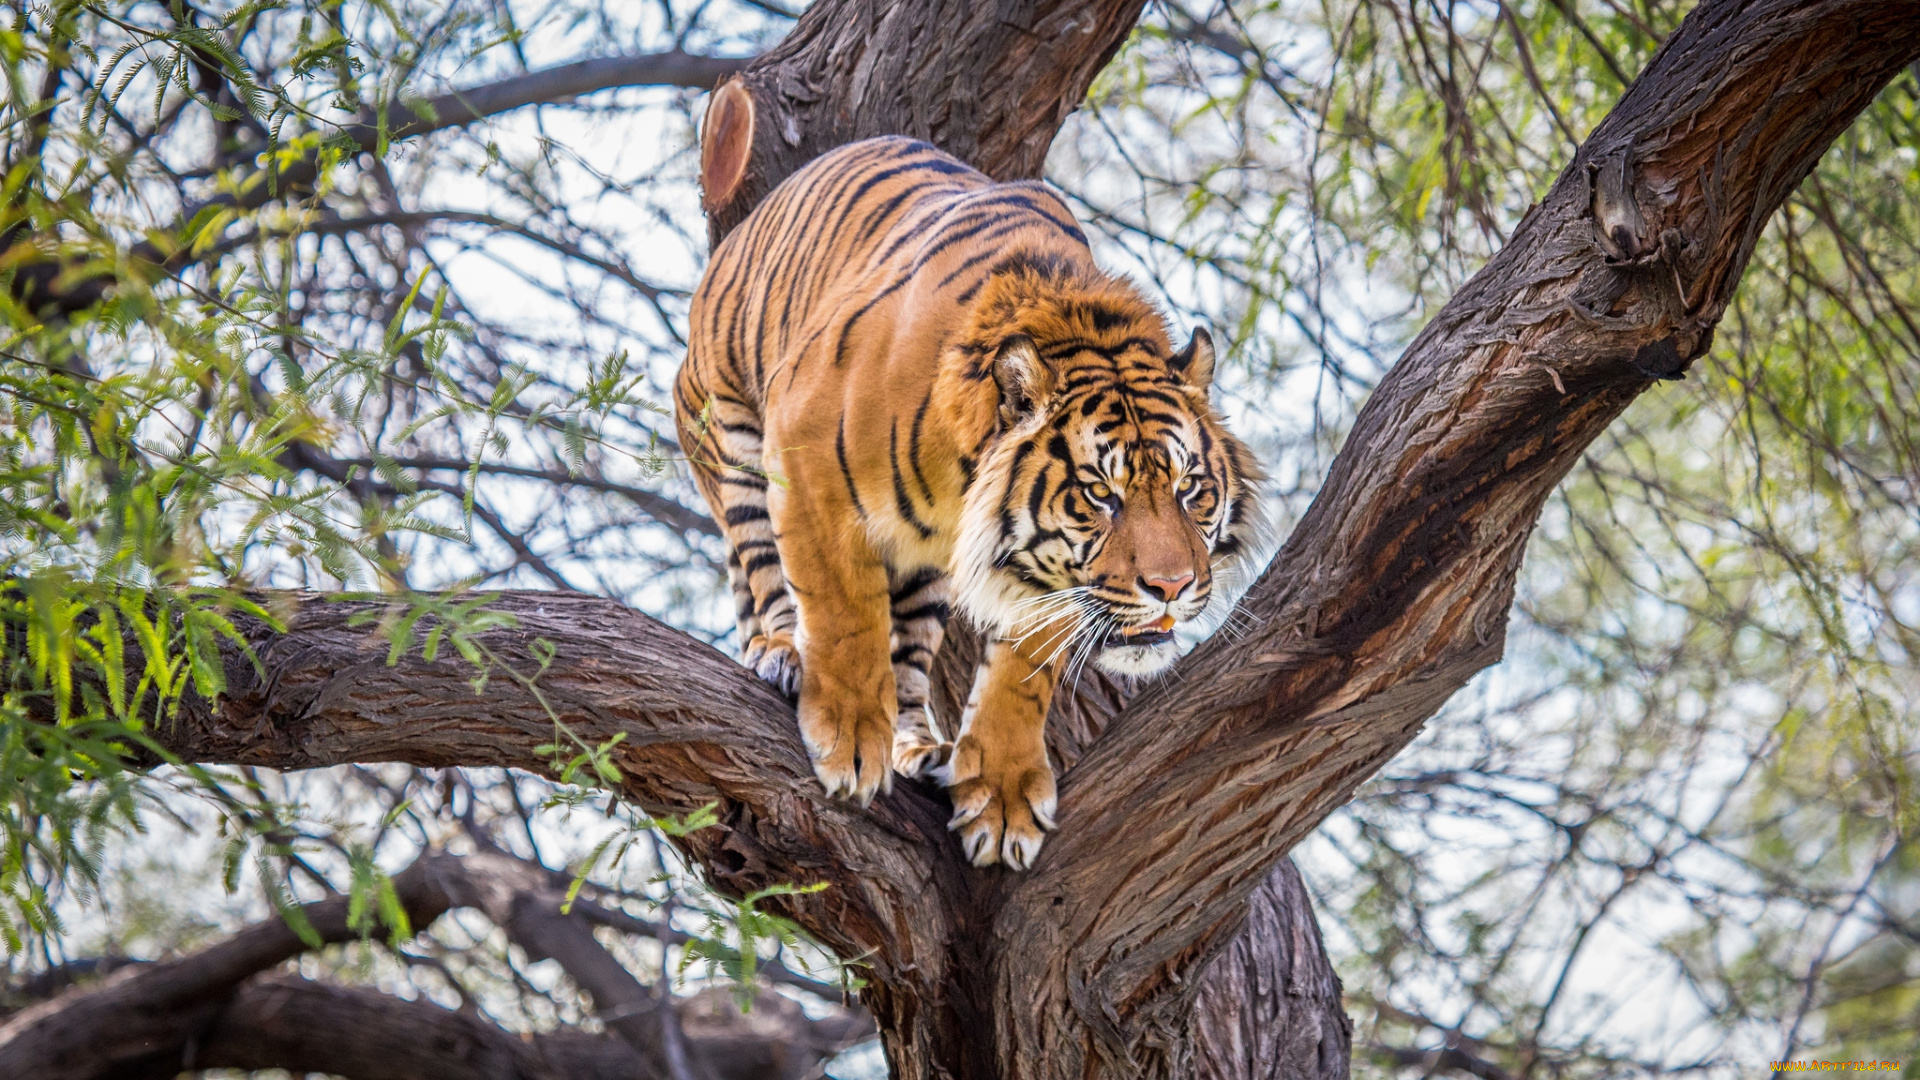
(852, 748)
(1002, 803)
(775, 659)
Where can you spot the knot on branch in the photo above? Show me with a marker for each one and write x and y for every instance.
(1641, 248)
(1618, 225)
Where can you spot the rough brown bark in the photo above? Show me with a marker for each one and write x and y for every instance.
(1395, 587)
(989, 83)
(1268, 1007)
(1390, 594)
(286, 1022)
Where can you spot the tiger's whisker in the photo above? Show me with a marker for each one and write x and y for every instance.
(1102, 626)
(1074, 631)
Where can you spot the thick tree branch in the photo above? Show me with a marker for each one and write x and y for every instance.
(1395, 587)
(279, 1021)
(1268, 1007)
(698, 729)
(287, 1022)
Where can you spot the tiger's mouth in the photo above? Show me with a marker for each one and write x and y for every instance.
(1157, 632)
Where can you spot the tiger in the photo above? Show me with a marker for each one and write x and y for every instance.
(909, 391)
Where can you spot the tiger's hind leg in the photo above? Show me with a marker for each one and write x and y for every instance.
(920, 610)
(743, 607)
(725, 443)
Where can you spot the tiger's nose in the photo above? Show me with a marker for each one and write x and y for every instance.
(1168, 588)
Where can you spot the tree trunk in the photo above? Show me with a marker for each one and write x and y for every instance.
(1126, 951)
(1268, 1007)
(989, 83)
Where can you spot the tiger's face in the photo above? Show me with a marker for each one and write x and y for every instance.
(1101, 519)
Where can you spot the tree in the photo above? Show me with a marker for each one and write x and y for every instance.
(1178, 804)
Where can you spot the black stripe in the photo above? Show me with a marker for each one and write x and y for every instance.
(938, 611)
(1037, 497)
(1141, 393)
(846, 328)
(913, 448)
(900, 500)
(840, 448)
(921, 578)
(762, 562)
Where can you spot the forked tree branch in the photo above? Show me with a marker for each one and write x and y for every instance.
(1391, 593)
(1396, 586)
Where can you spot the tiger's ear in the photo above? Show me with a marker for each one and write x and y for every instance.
(1024, 381)
(1194, 364)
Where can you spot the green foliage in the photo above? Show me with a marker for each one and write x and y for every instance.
(157, 448)
(1694, 777)
(733, 942)
(634, 829)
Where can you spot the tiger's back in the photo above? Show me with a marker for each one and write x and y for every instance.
(866, 350)
(848, 240)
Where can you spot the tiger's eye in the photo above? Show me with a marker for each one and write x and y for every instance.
(1100, 490)
(1186, 484)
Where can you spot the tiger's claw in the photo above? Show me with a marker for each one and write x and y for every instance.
(776, 660)
(919, 756)
(1001, 814)
(852, 751)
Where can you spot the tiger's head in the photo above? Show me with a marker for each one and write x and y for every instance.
(1111, 501)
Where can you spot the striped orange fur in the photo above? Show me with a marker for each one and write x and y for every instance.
(909, 390)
